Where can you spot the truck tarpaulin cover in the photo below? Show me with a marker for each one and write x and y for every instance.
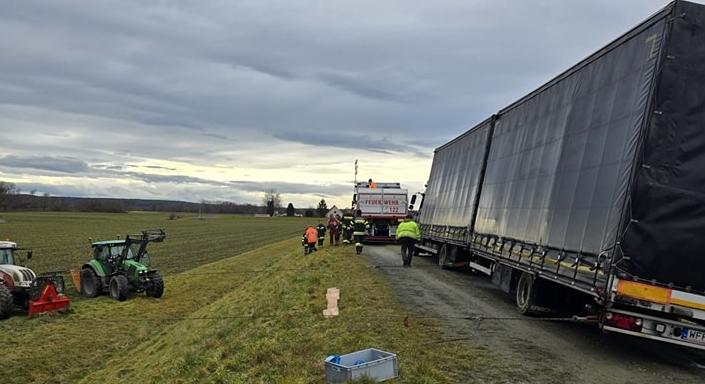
(607, 158)
(455, 178)
(559, 163)
(665, 238)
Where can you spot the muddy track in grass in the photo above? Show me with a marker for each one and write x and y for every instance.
(550, 351)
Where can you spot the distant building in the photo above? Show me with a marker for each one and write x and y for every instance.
(334, 211)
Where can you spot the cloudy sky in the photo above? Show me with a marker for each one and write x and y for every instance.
(221, 100)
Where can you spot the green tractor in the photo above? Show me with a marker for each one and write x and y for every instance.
(120, 267)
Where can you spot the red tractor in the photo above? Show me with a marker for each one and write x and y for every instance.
(21, 287)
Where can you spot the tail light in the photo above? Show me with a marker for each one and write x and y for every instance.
(621, 321)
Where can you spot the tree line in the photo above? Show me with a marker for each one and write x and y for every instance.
(12, 199)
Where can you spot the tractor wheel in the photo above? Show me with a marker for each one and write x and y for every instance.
(156, 290)
(6, 302)
(119, 287)
(91, 286)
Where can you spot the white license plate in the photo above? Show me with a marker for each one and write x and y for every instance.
(693, 336)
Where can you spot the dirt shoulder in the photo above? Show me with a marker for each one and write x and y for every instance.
(552, 352)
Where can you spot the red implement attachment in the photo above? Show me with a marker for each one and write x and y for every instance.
(48, 295)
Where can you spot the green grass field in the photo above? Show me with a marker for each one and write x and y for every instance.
(228, 315)
(60, 240)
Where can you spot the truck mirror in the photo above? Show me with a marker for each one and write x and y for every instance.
(29, 255)
(413, 201)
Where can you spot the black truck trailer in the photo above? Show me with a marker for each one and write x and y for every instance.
(588, 194)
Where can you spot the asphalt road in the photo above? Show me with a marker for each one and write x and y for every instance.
(558, 352)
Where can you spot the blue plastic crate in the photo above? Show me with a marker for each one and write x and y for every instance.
(371, 363)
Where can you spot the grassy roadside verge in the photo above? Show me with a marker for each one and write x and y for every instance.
(222, 322)
(269, 328)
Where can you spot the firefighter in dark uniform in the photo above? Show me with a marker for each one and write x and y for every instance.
(360, 227)
(347, 227)
(321, 233)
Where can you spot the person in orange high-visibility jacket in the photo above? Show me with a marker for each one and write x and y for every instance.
(309, 239)
(371, 184)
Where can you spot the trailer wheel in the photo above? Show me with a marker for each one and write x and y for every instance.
(526, 294)
(6, 302)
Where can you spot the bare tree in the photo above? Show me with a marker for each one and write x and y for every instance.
(272, 200)
(6, 189)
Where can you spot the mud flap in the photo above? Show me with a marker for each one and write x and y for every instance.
(503, 276)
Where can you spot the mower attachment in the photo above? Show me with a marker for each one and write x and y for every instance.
(47, 295)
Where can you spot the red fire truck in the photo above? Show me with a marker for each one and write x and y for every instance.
(383, 207)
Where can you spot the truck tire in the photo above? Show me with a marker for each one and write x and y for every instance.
(91, 286)
(6, 302)
(119, 287)
(526, 294)
(156, 290)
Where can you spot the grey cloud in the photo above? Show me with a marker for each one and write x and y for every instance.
(195, 81)
(359, 87)
(342, 140)
(376, 143)
(153, 167)
(323, 190)
(45, 163)
(173, 179)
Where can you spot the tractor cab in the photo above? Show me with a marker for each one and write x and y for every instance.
(15, 274)
(7, 252)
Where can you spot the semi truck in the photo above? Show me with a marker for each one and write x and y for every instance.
(383, 207)
(587, 196)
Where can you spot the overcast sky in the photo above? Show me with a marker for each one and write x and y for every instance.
(220, 100)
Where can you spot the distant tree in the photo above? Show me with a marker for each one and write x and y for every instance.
(272, 200)
(322, 208)
(290, 210)
(6, 189)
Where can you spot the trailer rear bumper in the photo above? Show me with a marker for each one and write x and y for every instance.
(380, 240)
(671, 331)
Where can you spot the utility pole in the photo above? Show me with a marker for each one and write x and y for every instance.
(355, 172)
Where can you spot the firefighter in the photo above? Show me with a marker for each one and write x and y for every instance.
(310, 238)
(321, 229)
(347, 227)
(334, 228)
(407, 235)
(360, 226)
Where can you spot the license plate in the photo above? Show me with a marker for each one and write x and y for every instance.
(693, 336)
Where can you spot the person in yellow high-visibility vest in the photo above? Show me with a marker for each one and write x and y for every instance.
(408, 234)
